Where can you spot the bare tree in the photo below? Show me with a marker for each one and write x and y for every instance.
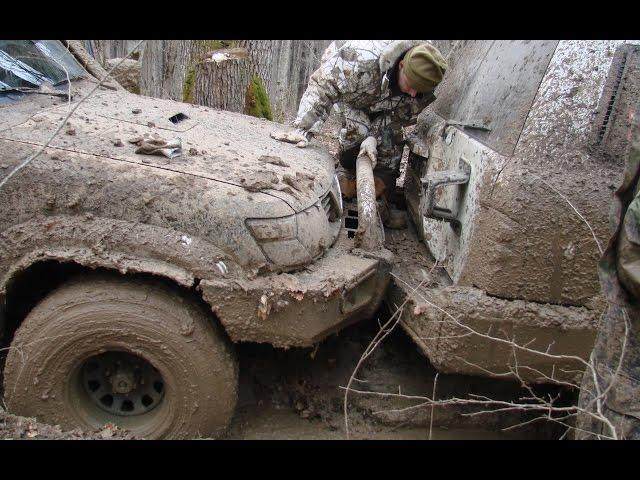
(260, 56)
(237, 79)
(168, 68)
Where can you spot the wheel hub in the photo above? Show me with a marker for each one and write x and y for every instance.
(122, 384)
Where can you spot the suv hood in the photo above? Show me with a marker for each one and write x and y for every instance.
(217, 145)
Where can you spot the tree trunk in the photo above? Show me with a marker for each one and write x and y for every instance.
(164, 68)
(260, 54)
(284, 66)
(168, 68)
(103, 50)
(294, 62)
(221, 82)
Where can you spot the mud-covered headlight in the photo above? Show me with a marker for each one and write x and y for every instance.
(278, 240)
(272, 229)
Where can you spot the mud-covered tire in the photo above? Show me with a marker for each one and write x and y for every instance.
(95, 314)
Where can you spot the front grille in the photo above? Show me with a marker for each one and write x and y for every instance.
(330, 207)
(351, 222)
(618, 104)
(617, 80)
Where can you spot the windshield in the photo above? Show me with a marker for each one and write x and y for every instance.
(32, 63)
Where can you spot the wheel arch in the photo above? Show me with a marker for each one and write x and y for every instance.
(30, 282)
(59, 246)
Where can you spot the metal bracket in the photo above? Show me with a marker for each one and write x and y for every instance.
(428, 206)
(471, 125)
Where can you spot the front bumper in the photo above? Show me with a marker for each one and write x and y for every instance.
(300, 309)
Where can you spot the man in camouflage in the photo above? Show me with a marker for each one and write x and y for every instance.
(378, 87)
(615, 392)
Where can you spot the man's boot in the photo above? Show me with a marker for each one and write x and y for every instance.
(397, 219)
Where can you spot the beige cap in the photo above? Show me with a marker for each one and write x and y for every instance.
(424, 67)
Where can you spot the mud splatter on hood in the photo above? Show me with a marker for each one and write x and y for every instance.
(217, 145)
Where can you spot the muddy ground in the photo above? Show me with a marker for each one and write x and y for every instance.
(21, 428)
(296, 394)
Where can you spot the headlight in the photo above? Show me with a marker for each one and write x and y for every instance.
(271, 229)
(278, 240)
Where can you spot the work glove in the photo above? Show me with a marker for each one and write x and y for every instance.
(297, 136)
(369, 148)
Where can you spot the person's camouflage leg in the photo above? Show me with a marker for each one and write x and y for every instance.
(616, 354)
(619, 388)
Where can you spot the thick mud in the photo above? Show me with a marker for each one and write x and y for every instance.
(271, 423)
(295, 394)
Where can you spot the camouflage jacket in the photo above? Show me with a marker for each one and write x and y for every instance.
(355, 77)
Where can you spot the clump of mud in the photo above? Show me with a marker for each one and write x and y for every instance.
(13, 427)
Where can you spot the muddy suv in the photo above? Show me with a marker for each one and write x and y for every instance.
(520, 135)
(125, 278)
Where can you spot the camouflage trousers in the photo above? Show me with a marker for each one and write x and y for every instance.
(387, 164)
(619, 387)
(616, 356)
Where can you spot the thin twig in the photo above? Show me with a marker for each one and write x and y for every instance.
(546, 407)
(496, 339)
(433, 396)
(574, 209)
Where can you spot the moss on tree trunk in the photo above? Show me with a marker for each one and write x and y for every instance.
(257, 101)
(225, 85)
(187, 88)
